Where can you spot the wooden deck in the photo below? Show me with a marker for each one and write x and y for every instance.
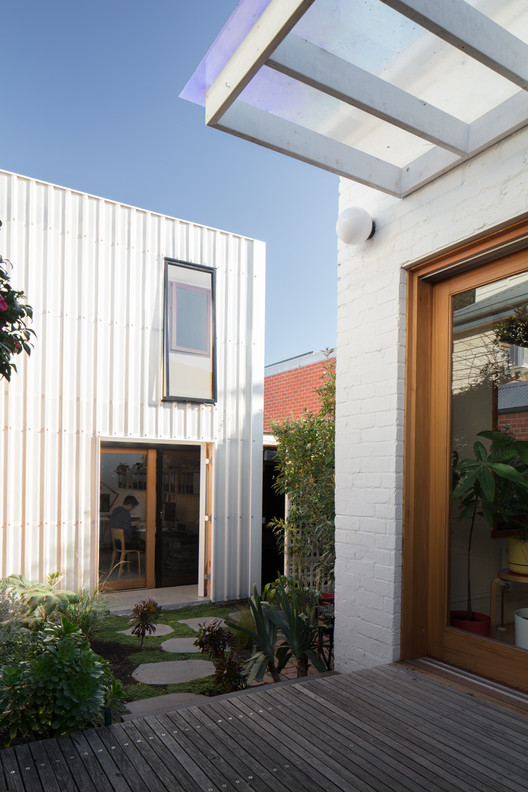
(384, 729)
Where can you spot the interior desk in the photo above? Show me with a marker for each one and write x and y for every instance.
(509, 577)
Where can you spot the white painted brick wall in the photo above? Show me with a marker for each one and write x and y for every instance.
(485, 192)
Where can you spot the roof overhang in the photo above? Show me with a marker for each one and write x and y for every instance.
(389, 93)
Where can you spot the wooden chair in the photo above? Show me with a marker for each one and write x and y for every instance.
(119, 549)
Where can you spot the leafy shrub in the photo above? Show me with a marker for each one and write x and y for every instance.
(16, 641)
(218, 644)
(15, 336)
(229, 672)
(63, 688)
(40, 600)
(87, 611)
(263, 637)
(244, 618)
(212, 639)
(145, 614)
(291, 616)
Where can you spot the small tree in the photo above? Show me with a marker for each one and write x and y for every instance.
(306, 473)
(14, 314)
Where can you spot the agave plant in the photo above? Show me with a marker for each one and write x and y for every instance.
(493, 484)
(264, 638)
(296, 618)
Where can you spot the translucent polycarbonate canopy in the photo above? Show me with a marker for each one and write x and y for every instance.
(390, 93)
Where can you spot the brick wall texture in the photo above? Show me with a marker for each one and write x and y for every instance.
(288, 394)
(484, 192)
(516, 423)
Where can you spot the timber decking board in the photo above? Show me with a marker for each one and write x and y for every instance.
(284, 763)
(386, 729)
(450, 746)
(440, 757)
(286, 774)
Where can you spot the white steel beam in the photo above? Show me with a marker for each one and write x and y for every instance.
(471, 31)
(336, 77)
(270, 29)
(427, 168)
(296, 141)
(503, 120)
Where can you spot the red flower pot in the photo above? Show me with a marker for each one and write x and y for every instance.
(479, 624)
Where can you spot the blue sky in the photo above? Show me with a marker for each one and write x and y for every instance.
(90, 101)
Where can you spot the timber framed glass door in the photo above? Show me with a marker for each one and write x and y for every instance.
(478, 383)
(178, 535)
(127, 517)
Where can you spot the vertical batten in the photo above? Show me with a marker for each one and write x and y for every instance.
(93, 272)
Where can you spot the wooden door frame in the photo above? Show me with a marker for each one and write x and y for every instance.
(426, 458)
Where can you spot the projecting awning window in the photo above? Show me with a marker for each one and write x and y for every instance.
(390, 93)
(189, 332)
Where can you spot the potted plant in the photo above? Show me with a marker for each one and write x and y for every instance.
(492, 484)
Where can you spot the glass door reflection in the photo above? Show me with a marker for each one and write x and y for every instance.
(178, 530)
(123, 506)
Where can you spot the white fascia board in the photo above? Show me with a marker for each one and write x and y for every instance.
(491, 128)
(471, 31)
(426, 169)
(336, 77)
(271, 28)
(276, 133)
(510, 116)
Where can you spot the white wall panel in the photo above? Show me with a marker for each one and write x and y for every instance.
(93, 271)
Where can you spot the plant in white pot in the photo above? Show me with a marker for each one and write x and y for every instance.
(492, 484)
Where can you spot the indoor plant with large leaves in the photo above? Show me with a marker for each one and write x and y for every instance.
(492, 484)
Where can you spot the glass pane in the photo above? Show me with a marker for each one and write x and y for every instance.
(123, 499)
(180, 516)
(489, 393)
(189, 334)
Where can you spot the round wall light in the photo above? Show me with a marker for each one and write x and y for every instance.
(354, 226)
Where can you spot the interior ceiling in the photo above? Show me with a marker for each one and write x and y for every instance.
(389, 93)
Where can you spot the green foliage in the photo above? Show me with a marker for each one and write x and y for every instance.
(296, 618)
(218, 644)
(87, 611)
(64, 687)
(212, 639)
(514, 329)
(306, 473)
(494, 485)
(16, 641)
(40, 600)
(15, 336)
(244, 618)
(145, 614)
(263, 638)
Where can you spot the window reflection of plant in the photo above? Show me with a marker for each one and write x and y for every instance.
(513, 329)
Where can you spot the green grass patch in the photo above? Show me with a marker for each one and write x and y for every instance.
(122, 650)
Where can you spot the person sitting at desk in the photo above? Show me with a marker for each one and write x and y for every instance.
(120, 518)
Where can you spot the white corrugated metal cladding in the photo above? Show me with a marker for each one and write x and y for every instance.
(93, 270)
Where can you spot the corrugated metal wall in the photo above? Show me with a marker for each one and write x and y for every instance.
(93, 272)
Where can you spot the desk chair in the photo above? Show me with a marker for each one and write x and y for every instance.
(118, 542)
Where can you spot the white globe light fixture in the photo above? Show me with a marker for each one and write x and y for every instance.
(354, 226)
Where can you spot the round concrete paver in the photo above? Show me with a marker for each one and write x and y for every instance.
(179, 645)
(173, 671)
(161, 704)
(161, 629)
(194, 624)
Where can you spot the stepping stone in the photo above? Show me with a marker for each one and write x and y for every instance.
(179, 645)
(157, 705)
(161, 629)
(194, 624)
(173, 671)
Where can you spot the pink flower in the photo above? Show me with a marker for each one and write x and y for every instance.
(3, 305)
